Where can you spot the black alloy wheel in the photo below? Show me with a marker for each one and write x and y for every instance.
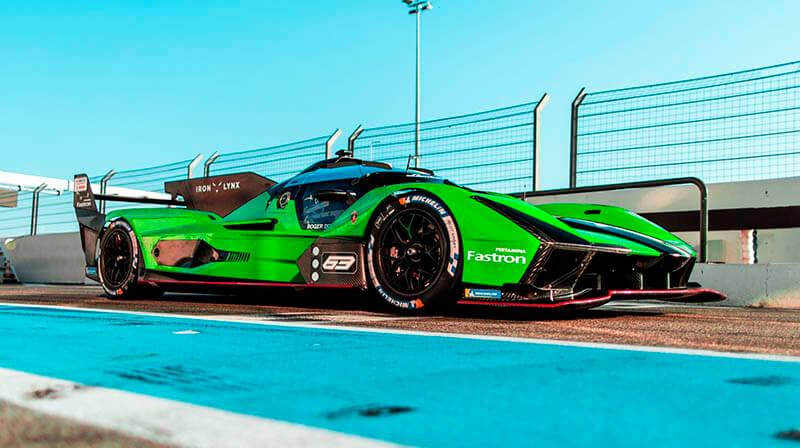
(412, 253)
(118, 264)
(116, 256)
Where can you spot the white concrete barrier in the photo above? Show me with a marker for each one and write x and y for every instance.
(772, 285)
(58, 259)
(54, 258)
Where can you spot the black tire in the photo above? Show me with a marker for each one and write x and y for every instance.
(118, 263)
(413, 252)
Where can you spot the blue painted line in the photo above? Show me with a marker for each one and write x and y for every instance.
(461, 392)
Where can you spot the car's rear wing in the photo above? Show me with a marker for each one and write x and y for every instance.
(91, 221)
(219, 194)
(216, 194)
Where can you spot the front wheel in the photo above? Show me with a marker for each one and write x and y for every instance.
(413, 252)
(118, 264)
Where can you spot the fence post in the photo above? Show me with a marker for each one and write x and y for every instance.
(35, 209)
(703, 220)
(192, 165)
(103, 187)
(573, 143)
(329, 143)
(351, 141)
(537, 111)
(207, 166)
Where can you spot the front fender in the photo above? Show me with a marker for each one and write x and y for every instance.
(496, 251)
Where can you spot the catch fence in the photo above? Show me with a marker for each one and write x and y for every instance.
(724, 128)
(276, 162)
(731, 127)
(491, 150)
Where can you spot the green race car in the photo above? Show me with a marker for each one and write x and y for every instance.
(412, 239)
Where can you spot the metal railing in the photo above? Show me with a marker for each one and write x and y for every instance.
(701, 187)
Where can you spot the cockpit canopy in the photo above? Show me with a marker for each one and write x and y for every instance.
(324, 190)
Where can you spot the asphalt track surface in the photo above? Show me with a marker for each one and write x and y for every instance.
(652, 324)
(420, 390)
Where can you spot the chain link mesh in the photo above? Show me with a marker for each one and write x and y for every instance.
(275, 162)
(724, 128)
(490, 150)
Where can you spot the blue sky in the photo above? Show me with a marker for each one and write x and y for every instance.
(89, 86)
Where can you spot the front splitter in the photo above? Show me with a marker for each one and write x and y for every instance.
(688, 295)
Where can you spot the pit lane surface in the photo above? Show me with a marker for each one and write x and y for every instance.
(423, 390)
(652, 324)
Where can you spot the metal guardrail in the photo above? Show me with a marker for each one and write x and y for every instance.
(701, 187)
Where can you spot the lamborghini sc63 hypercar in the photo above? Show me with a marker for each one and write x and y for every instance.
(410, 238)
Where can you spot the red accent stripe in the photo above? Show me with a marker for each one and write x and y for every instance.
(537, 305)
(197, 282)
(676, 292)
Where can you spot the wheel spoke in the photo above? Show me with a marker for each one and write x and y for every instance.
(407, 278)
(397, 234)
(411, 252)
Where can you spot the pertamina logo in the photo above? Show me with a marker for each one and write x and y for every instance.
(339, 263)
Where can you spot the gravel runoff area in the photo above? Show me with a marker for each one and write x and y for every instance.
(20, 427)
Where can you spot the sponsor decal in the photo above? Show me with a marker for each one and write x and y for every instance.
(430, 202)
(339, 263)
(483, 293)
(353, 217)
(81, 184)
(452, 265)
(315, 226)
(383, 217)
(216, 187)
(284, 199)
(513, 251)
(411, 304)
(496, 258)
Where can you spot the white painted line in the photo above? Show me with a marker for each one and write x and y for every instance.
(162, 420)
(599, 345)
(186, 332)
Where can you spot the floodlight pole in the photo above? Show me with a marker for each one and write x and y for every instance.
(416, 114)
(417, 8)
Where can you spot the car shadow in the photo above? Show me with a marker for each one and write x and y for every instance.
(357, 302)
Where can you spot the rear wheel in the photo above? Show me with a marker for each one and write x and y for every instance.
(413, 253)
(118, 264)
